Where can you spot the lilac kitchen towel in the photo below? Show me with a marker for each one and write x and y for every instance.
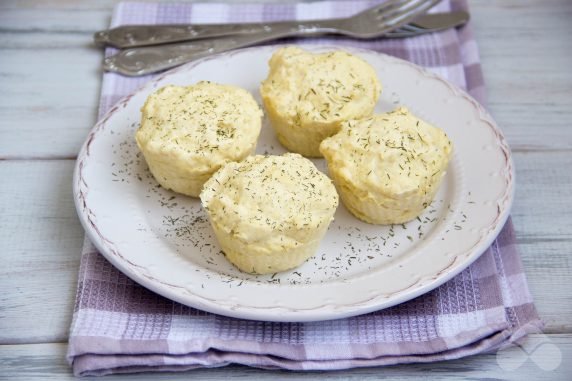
(119, 326)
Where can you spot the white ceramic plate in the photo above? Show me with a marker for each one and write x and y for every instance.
(163, 240)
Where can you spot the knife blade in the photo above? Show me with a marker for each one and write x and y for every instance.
(130, 36)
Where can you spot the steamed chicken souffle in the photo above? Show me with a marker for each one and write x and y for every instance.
(307, 96)
(387, 168)
(188, 133)
(269, 213)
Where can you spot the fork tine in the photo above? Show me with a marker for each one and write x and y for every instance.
(407, 7)
(401, 15)
(410, 28)
(392, 6)
(386, 5)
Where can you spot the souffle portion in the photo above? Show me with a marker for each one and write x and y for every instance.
(188, 133)
(387, 168)
(307, 96)
(269, 213)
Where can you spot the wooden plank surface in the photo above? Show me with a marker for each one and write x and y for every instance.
(40, 242)
(50, 78)
(523, 47)
(47, 116)
(54, 112)
(546, 362)
(544, 239)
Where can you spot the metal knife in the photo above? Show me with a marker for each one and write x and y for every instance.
(130, 36)
(146, 60)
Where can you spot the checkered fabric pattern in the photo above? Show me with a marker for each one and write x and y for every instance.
(120, 327)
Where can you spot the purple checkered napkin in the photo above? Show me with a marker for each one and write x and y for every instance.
(119, 326)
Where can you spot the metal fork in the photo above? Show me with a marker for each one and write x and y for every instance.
(371, 23)
(362, 25)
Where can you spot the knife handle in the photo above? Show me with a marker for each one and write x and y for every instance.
(130, 36)
(150, 59)
(146, 60)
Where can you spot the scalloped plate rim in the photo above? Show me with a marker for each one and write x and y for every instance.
(280, 313)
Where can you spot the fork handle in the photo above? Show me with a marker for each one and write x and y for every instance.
(130, 36)
(150, 59)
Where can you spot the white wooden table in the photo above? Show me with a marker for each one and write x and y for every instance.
(49, 86)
